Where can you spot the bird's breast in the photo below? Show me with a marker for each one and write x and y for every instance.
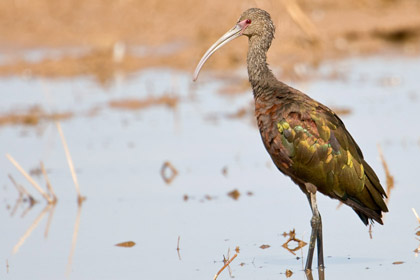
(268, 115)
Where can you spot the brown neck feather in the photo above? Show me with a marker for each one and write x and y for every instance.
(260, 76)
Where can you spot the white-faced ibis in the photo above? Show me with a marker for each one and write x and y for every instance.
(306, 140)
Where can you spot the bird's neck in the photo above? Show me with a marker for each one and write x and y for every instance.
(260, 76)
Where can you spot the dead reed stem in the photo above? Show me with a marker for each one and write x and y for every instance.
(29, 178)
(226, 264)
(49, 186)
(70, 162)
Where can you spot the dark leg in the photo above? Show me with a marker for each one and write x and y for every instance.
(316, 235)
(320, 245)
(312, 242)
(321, 275)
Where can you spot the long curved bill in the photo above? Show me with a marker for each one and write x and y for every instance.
(235, 32)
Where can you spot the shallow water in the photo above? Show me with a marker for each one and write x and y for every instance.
(118, 155)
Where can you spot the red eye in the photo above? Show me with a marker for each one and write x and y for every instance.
(248, 21)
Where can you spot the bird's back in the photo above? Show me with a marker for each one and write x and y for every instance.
(309, 143)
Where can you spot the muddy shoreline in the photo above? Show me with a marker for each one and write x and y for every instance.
(126, 36)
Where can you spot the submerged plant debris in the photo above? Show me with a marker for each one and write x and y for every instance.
(168, 172)
(126, 244)
(235, 194)
(292, 237)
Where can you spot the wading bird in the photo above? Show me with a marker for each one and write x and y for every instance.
(306, 140)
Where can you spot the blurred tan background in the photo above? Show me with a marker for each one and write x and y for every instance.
(128, 35)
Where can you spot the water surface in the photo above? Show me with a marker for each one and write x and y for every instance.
(118, 155)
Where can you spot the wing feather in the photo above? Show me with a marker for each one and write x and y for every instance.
(322, 152)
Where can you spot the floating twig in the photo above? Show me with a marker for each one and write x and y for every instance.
(29, 178)
(224, 266)
(70, 162)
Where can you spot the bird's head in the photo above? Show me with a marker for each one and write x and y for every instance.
(256, 22)
(253, 23)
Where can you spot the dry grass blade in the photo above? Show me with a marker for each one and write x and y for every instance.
(29, 178)
(302, 20)
(70, 162)
(389, 177)
(49, 186)
(226, 264)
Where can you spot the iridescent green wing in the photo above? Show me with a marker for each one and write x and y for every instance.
(324, 153)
